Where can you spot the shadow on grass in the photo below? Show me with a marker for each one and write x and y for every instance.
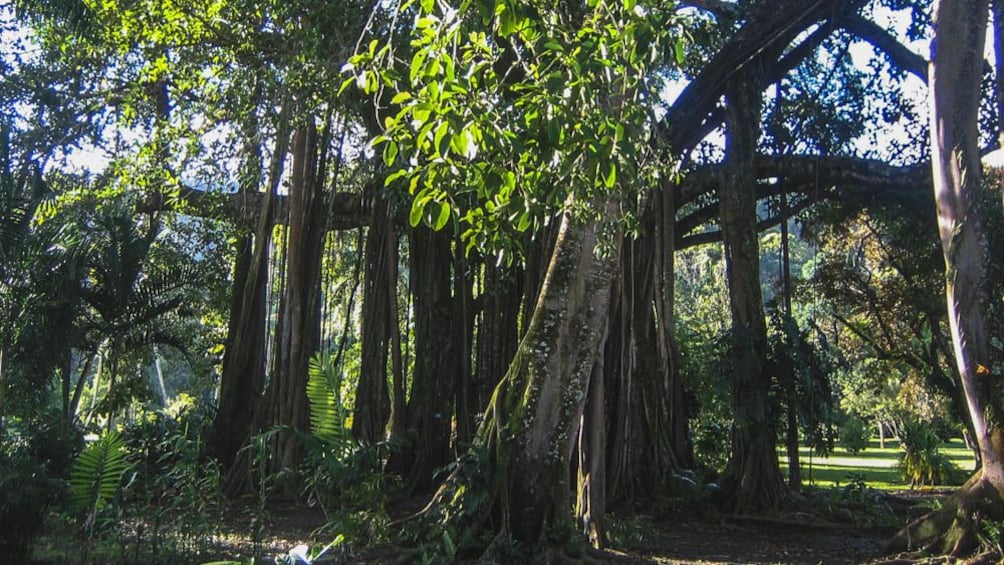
(842, 474)
(877, 466)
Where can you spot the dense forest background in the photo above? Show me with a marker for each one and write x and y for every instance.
(467, 276)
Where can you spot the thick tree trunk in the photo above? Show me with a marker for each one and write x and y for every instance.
(372, 408)
(997, 7)
(426, 443)
(955, 85)
(647, 416)
(532, 422)
(3, 390)
(243, 374)
(954, 80)
(753, 480)
(676, 411)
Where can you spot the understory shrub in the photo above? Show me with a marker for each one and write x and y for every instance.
(34, 462)
(341, 475)
(173, 492)
(854, 435)
(921, 462)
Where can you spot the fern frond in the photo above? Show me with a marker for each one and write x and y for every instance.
(327, 414)
(97, 473)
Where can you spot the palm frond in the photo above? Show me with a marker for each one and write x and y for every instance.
(97, 473)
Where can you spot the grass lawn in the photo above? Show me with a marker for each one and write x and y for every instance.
(876, 465)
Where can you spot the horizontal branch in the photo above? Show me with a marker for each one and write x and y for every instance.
(817, 178)
(347, 210)
(713, 236)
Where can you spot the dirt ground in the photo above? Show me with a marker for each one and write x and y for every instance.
(742, 543)
(724, 540)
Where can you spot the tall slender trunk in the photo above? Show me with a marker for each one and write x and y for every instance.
(463, 327)
(372, 409)
(954, 80)
(426, 444)
(591, 503)
(285, 399)
(244, 360)
(398, 403)
(3, 390)
(158, 374)
(753, 479)
(791, 408)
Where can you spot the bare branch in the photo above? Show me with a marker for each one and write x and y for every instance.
(902, 57)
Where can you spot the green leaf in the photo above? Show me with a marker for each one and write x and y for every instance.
(401, 97)
(97, 472)
(442, 217)
(389, 153)
(428, 5)
(524, 222)
(327, 413)
(611, 177)
(441, 130)
(679, 52)
(554, 46)
(417, 63)
(415, 216)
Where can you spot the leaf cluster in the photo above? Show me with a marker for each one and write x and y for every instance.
(509, 113)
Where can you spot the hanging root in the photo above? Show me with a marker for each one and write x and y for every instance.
(957, 529)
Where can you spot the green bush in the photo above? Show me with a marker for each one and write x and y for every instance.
(854, 435)
(921, 462)
(34, 459)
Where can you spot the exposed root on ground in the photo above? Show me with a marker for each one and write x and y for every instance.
(956, 528)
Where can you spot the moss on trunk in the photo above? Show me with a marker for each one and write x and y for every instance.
(532, 421)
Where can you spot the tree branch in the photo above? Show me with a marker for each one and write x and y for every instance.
(818, 178)
(719, 8)
(882, 40)
(348, 210)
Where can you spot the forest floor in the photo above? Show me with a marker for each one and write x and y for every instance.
(841, 534)
(833, 525)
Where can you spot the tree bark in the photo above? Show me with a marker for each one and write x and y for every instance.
(298, 336)
(647, 413)
(591, 503)
(955, 86)
(531, 426)
(676, 411)
(497, 328)
(426, 442)
(372, 408)
(244, 360)
(3, 390)
(954, 81)
(753, 480)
